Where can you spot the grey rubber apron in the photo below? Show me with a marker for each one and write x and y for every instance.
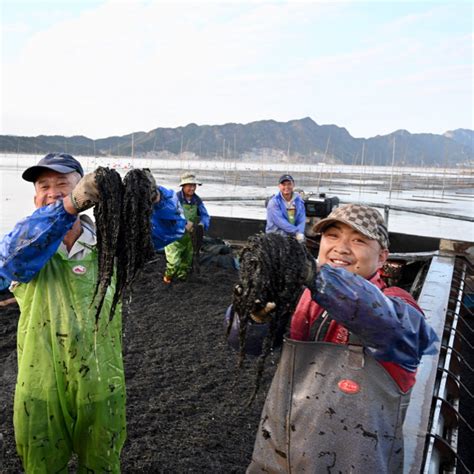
(330, 408)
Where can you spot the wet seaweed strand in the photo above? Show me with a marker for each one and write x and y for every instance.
(136, 245)
(107, 218)
(272, 269)
(124, 242)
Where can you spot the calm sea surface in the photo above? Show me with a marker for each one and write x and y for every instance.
(225, 179)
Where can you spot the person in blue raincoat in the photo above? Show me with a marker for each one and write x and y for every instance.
(70, 391)
(286, 212)
(179, 254)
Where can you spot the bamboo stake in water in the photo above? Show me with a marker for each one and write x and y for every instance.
(391, 174)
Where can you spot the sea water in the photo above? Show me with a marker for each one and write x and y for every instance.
(219, 180)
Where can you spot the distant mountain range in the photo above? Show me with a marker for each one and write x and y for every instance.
(296, 140)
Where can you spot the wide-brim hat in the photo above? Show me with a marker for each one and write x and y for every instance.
(59, 162)
(366, 220)
(189, 178)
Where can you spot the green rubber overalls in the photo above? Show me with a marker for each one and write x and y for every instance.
(179, 254)
(70, 392)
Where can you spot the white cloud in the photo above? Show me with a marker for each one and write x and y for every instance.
(119, 63)
(129, 66)
(15, 28)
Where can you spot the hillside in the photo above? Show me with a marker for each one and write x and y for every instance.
(295, 140)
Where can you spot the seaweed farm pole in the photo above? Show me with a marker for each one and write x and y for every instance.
(444, 172)
(324, 161)
(224, 162)
(181, 153)
(391, 173)
(361, 167)
(17, 151)
(330, 175)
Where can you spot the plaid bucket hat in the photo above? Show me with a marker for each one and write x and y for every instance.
(366, 220)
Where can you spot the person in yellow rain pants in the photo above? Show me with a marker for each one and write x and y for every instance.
(179, 254)
(70, 392)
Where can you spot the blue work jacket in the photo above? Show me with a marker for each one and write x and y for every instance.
(277, 216)
(35, 239)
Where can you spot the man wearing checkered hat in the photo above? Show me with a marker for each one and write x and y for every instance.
(339, 397)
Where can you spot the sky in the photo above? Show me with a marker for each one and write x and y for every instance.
(107, 68)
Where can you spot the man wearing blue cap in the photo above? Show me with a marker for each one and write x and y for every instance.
(70, 391)
(286, 213)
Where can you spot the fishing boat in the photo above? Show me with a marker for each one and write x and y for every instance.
(439, 274)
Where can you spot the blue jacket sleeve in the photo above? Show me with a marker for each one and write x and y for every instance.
(276, 218)
(167, 220)
(33, 241)
(204, 217)
(390, 328)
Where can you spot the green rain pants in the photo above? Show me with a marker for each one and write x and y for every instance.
(179, 254)
(70, 392)
(179, 257)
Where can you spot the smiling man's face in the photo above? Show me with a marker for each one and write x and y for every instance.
(286, 189)
(343, 246)
(51, 186)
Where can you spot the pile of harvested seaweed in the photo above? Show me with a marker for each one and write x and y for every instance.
(185, 402)
(185, 406)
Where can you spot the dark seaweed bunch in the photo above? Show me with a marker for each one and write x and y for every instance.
(273, 268)
(124, 240)
(107, 214)
(135, 230)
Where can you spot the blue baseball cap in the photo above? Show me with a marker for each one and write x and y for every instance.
(59, 162)
(286, 177)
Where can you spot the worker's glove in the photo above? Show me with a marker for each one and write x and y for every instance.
(261, 313)
(299, 237)
(86, 193)
(154, 193)
(189, 226)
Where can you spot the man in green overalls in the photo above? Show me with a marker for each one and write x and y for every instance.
(179, 254)
(70, 391)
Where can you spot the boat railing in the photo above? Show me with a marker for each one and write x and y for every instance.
(386, 207)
